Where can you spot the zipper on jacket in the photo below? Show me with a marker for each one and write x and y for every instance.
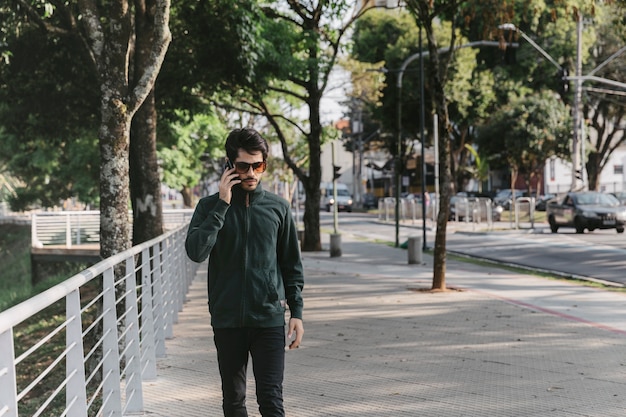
(244, 300)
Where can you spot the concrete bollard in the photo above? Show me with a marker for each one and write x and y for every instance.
(335, 245)
(415, 249)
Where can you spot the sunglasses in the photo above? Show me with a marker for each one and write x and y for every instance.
(244, 167)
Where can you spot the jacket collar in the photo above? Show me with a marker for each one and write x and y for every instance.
(239, 195)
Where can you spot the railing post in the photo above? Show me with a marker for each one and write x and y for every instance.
(33, 231)
(8, 393)
(148, 354)
(78, 229)
(112, 398)
(157, 293)
(168, 291)
(132, 355)
(68, 231)
(76, 396)
(171, 277)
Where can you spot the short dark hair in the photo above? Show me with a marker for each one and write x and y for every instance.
(247, 139)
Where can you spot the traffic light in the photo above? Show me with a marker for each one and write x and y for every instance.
(563, 81)
(336, 173)
(579, 174)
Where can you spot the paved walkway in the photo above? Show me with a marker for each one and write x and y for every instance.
(377, 343)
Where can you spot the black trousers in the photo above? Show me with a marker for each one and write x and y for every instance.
(266, 346)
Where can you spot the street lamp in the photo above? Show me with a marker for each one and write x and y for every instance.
(405, 64)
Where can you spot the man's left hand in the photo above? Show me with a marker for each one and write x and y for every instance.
(295, 325)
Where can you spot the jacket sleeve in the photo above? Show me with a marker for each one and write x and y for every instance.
(290, 263)
(206, 222)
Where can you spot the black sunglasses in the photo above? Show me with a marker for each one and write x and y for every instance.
(244, 167)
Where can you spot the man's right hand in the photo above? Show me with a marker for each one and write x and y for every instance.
(228, 179)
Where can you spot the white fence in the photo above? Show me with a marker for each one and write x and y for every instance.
(410, 209)
(462, 209)
(67, 228)
(84, 347)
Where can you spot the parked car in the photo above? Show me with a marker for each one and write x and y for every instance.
(541, 203)
(504, 197)
(370, 201)
(589, 210)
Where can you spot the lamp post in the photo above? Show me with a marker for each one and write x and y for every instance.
(422, 140)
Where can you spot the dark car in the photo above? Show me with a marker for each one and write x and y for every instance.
(370, 201)
(541, 204)
(504, 197)
(589, 210)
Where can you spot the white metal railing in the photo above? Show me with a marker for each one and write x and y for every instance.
(67, 228)
(410, 209)
(475, 210)
(83, 347)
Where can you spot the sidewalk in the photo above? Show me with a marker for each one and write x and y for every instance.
(377, 344)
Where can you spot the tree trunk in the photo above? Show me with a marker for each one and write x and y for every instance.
(439, 266)
(145, 191)
(114, 190)
(187, 197)
(311, 219)
(114, 136)
(593, 170)
(145, 186)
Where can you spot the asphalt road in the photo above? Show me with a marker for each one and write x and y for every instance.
(599, 255)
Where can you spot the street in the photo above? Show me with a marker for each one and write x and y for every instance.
(599, 255)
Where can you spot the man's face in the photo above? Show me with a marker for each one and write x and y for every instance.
(251, 177)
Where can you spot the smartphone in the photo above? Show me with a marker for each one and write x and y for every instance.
(228, 165)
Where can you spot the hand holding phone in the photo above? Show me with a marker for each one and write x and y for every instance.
(228, 180)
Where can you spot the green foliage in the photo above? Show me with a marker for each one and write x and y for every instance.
(215, 47)
(527, 132)
(49, 119)
(480, 170)
(197, 146)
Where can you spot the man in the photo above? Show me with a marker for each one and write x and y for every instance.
(255, 270)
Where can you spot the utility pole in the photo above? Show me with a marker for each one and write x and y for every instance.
(576, 140)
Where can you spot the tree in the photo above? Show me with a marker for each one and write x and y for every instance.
(480, 170)
(528, 132)
(603, 109)
(48, 138)
(302, 43)
(105, 34)
(426, 12)
(194, 86)
(190, 71)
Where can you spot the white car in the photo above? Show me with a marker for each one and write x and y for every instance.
(327, 200)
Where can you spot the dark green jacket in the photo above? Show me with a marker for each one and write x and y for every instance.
(254, 258)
